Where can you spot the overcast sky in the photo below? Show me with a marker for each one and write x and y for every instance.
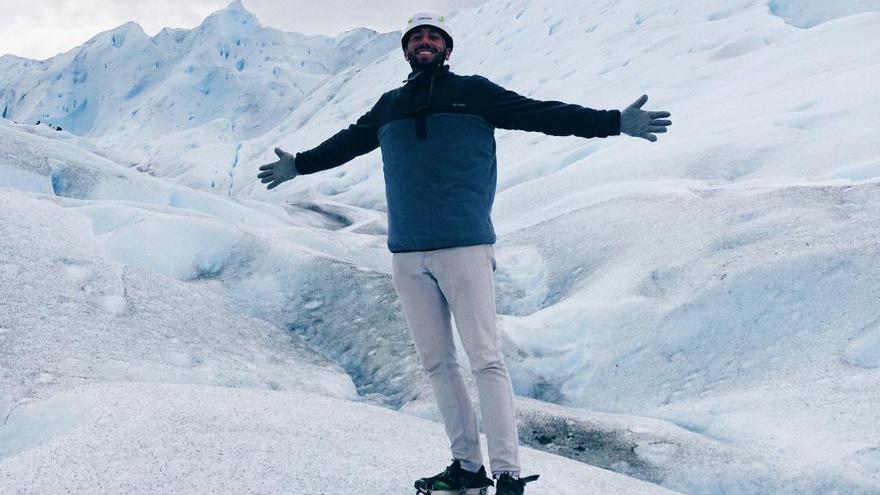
(40, 29)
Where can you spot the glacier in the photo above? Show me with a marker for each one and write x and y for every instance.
(699, 315)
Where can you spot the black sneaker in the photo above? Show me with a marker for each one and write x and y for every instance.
(508, 485)
(455, 480)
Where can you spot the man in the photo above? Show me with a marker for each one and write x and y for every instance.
(438, 151)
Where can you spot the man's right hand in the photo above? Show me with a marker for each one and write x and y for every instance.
(277, 172)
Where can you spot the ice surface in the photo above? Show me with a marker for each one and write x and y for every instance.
(73, 315)
(705, 308)
(267, 442)
(810, 13)
(865, 350)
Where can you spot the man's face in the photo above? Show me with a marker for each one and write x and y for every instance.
(425, 45)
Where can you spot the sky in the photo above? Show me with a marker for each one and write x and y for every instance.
(42, 29)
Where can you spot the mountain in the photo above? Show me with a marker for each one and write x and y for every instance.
(229, 67)
(228, 79)
(702, 310)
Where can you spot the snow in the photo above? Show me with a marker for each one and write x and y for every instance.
(168, 434)
(703, 311)
(80, 316)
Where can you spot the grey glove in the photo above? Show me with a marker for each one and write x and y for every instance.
(280, 171)
(638, 123)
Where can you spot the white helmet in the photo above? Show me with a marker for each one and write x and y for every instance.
(426, 19)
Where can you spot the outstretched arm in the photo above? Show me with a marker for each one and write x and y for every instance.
(358, 139)
(508, 110)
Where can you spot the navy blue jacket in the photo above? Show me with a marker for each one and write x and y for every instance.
(438, 152)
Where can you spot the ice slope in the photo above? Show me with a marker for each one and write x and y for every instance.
(38, 372)
(76, 220)
(723, 279)
(71, 315)
(165, 438)
(261, 251)
(115, 287)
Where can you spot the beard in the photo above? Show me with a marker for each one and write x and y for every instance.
(418, 65)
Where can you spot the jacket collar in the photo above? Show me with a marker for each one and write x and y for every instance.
(419, 77)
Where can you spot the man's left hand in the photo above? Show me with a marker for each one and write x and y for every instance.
(638, 123)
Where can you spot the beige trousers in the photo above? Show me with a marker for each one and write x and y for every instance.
(431, 285)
